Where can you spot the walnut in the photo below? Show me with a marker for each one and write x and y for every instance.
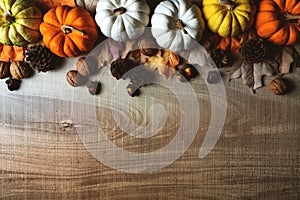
(278, 86)
(84, 68)
(75, 79)
(20, 70)
(4, 70)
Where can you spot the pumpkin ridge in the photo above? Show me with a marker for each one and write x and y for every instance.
(237, 27)
(51, 18)
(218, 21)
(293, 35)
(15, 36)
(56, 44)
(191, 13)
(115, 4)
(70, 47)
(138, 7)
(136, 19)
(129, 23)
(226, 24)
(31, 12)
(25, 35)
(280, 37)
(174, 12)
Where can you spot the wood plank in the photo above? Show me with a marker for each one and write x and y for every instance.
(257, 156)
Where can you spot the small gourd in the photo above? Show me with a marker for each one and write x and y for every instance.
(177, 24)
(69, 32)
(229, 17)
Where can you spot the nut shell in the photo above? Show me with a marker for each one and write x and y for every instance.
(20, 70)
(278, 86)
(4, 69)
(84, 68)
(75, 79)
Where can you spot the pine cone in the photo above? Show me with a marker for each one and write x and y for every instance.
(221, 58)
(253, 50)
(120, 67)
(39, 58)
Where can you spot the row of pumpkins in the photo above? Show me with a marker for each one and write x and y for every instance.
(70, 31)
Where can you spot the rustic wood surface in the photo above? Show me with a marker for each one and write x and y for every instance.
(256, 157)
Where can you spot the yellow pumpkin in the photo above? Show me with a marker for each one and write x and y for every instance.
(229, 17)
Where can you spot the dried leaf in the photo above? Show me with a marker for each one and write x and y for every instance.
(165, 61)
(90, 5)
(252, 74)
(286, 60)
(263, 69)
(106, 52)
(290, 57)
(246, 73)
(297, 61)
(11, 53)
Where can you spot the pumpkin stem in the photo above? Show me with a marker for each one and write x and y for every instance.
(228, 3)
(119, 11)
(9, 17)
(180, 26)
(68, 29)
(291, 17)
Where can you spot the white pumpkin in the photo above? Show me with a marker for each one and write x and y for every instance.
(176, 24)
(122, 20)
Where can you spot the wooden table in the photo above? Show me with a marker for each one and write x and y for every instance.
(256, 157)
(43, 157)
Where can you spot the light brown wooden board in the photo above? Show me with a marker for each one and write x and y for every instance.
(257, 156)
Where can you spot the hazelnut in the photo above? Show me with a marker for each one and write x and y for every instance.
(213, 77)
(20, 70)
(186, 72)
(75, 79)
(84, 68)
(94, 87)
(4, 70)
(13, 84)
(278, 86)
(133, 90)
(148, 46)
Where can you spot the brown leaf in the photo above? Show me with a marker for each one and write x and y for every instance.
(106, 52)
(290, 58)
(90, 5)
(252, 74)
(165, 61)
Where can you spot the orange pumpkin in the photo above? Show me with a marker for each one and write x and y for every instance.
(11, 53)
(69, 32)
(279, 21)
(46, 5)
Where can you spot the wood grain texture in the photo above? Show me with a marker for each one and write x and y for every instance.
(257, 156)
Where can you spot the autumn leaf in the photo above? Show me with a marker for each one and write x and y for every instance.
(290, 58)
(106, 52)
(165, 61)
(252, 74)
